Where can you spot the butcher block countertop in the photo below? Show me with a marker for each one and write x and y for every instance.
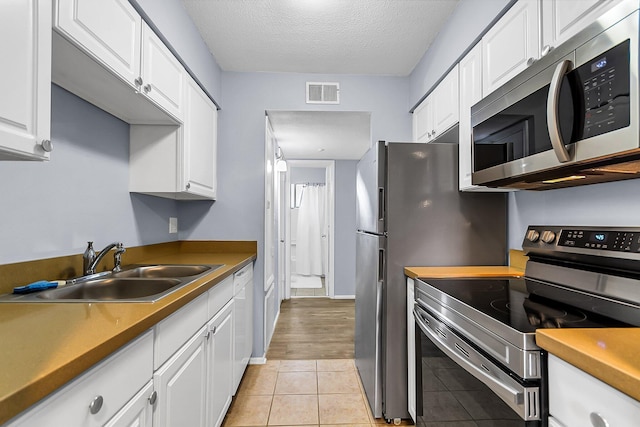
(611, 355)
(45, 345)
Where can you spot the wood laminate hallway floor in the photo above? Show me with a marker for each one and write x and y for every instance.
(314, 328)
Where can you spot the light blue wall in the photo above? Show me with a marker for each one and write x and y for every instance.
(53, 208)
(466, 24)
(345, 236)
(170, 21)
(238, 213)
(302, 175)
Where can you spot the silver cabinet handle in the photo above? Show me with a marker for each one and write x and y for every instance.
(213, 330)
(153, 398)
(138, 81)
(96, 405)
(552, 112)
(147, 88)
(546, 49)
(530, 61)
(47, 145)
(188, 185)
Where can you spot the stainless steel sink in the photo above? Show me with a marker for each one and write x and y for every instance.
(111, 289)
(135, 283)
(165, 270)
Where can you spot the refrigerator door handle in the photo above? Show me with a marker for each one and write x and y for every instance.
(382, 209)
(381, 266)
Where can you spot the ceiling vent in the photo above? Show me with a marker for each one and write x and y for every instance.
(323, 93)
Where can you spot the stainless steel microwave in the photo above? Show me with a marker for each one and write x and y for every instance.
(569, 119)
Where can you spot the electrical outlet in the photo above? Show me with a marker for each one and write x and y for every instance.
(173, 225)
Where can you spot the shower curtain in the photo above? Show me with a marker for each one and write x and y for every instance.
(310, 244)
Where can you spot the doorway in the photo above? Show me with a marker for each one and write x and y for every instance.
(309, 218)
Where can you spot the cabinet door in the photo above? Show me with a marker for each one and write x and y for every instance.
(220, 365)
(470, 93)
(108, 30)
(561, 19)
(576, 399)
(445, 103)
(25, 79)
(138, 412)
(423, 121)
(511, 45)
(239, 335)
(181, 386)
(162, 75)
(411, 350)
(200, 142)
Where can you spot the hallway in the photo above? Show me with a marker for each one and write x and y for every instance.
(314, 328)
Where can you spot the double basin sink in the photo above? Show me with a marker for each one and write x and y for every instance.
(136, 283)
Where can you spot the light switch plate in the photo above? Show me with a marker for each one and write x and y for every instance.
(173, 225)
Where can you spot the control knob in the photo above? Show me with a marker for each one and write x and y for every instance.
(532, 235)
(548, 236)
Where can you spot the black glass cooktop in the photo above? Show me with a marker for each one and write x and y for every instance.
(510, 302)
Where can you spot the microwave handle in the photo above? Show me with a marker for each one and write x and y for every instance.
(552, 112)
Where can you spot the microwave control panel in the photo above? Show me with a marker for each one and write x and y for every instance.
(605, 82)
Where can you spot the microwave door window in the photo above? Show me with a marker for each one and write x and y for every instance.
(521, 130)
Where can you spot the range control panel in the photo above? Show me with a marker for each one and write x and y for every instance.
(622, 241)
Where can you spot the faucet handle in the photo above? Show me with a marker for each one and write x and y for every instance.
(117, 257)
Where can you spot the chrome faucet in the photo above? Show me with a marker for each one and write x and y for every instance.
(90, 259)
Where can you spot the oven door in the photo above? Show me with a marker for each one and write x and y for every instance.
(458, 385)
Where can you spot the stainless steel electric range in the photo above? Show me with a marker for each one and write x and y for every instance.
(477, 360)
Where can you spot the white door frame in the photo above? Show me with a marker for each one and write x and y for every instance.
(330, 173)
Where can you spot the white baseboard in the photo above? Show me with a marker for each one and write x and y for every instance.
(258, 360)
(344, 297)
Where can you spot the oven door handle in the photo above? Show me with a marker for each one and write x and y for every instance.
(553, 123)
(507, 393)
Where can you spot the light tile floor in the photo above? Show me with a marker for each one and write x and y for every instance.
(301, 393)
(309, 292)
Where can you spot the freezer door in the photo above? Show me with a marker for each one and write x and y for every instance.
(370, 267)
(370, 190)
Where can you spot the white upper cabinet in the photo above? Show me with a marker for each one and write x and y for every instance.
(445, 103)
(108, 30)
(470, 93)
(162, 75)
(422, 121)
(177, 162)
(562, 19)
(104, 53)
(439, 111)
(200, 142)
(25, 80)
(511, 45)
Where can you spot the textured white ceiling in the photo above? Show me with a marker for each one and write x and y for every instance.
(341, 135)
(382, 37)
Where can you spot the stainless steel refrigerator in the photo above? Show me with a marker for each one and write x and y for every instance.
(410, 213)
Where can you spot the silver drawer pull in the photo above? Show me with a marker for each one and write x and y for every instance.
(96, 405)
(598, 420)
(153, 397)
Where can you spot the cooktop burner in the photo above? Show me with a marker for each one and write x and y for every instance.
(509, 302)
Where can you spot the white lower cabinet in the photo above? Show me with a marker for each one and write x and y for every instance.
(182, 372)
(96, 396)
(576, 399)
(181, 385)
(138, 412)
(220, 365)
(243, 322)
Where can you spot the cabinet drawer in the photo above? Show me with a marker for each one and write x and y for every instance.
(171, 332)
(219, 295)
(575, 395)
(116, 379)
(242, 277)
